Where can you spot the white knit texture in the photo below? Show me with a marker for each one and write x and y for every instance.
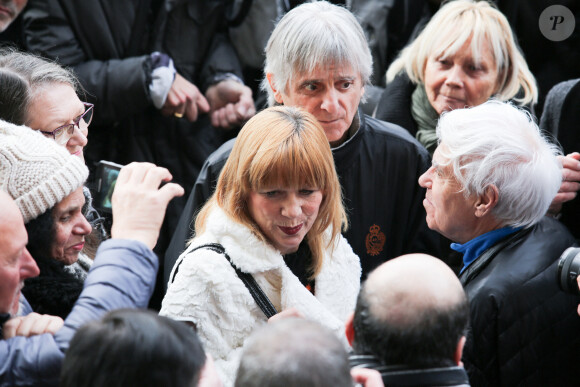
(35, 171)
(207, 291)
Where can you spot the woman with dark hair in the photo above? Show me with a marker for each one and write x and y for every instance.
(47, 185)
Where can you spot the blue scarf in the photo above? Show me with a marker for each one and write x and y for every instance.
(475, 247)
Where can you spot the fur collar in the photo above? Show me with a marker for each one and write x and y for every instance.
(337, 284)
(247, 252)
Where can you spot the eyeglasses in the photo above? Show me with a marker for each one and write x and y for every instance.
(63, 133)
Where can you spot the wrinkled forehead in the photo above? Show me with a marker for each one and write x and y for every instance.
(441, 161)
(329, 70)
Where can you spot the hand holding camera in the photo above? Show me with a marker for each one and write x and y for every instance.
(139, 203)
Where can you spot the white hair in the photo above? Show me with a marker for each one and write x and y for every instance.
(312, 35)
(498, 144)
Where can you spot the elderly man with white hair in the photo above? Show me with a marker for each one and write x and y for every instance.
(492, 179)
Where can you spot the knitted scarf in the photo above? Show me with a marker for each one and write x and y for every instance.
(426, 118)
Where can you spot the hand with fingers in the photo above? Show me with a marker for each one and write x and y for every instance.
(570, 182)
(184, 98)
(139, 203)
(31, 325)
(231, 104)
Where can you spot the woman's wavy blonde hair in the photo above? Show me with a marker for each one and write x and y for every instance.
(280, 147)
(454, 24)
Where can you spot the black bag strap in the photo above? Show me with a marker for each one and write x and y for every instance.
(255, 290)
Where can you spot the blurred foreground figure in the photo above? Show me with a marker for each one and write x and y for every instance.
(130, 347)
(410, 323)
(491, 182)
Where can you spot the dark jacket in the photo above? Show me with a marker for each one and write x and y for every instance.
(107, 44)
(551, 61)
(560, 119)
(403, 376)
(378, 168)
(524, 329)
(36, 360)
(395, 103)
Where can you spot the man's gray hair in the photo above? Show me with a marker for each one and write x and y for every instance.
(317, 34)
(294, 352)
(500, 144)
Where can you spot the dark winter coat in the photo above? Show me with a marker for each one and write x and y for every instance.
(404, 376)
(524, 330)
(395, 103)
(560, 119)
(107, 44)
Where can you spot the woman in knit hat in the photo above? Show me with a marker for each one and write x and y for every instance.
(47, 184)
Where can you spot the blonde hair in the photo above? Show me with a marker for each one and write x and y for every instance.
(280, 146)
(451, 27)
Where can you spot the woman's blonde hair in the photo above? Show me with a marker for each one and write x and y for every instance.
(454, 24)
(280, 147)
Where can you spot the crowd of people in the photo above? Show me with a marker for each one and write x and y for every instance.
(376, 205)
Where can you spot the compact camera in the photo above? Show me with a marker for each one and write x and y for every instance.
(568, 269)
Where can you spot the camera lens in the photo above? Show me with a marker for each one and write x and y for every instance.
(568, 269)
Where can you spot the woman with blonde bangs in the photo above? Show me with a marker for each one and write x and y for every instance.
(464, 56)
(276, 215)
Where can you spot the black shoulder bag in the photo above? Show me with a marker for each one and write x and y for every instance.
(257, 293)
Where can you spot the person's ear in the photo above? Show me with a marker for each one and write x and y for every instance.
(459, 351)
(277, 93)
(487, 201)
(349, 329)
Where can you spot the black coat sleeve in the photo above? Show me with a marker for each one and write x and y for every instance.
(203, 188)
(194, 34)
(85, 37)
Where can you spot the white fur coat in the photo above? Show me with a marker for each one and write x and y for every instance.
(207, 291)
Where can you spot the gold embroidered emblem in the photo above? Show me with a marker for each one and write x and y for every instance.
(375, 240)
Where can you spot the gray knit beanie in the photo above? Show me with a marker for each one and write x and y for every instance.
(36, 171)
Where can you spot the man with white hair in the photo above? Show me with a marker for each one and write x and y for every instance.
(317, 58)
(492, 179)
